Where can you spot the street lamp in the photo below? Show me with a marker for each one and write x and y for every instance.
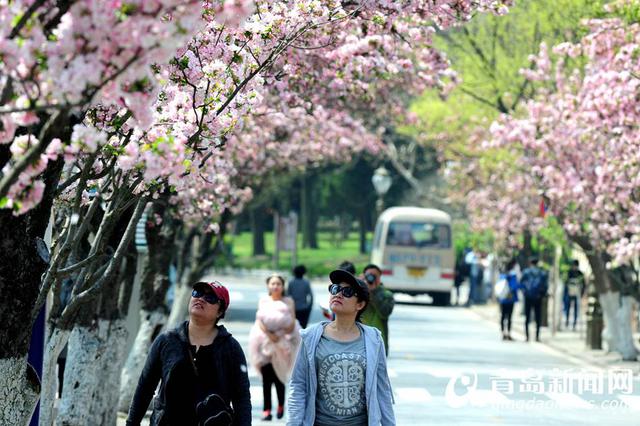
(381, 181)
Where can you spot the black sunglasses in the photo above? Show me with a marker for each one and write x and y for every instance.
(348, 291)
(208, 297)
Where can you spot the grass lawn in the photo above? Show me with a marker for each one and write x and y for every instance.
(319, 262)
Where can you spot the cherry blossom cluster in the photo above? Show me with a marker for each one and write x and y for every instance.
(577, 144)
(187, 93)
(297, 139)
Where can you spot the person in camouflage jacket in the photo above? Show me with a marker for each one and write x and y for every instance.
(380, 304)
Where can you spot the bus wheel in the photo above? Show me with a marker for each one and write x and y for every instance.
(441, 299)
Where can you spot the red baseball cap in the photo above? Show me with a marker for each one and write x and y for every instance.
(218, 289)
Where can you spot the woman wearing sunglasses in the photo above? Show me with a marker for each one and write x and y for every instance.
(340, 373)
(202, 370)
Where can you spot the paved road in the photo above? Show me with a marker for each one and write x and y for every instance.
(448, 366)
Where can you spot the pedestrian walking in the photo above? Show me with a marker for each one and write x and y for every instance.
(461, 273)
(507, 295)
(534, 283)
(472, 259)
(340, 374)
(574, 288)
(273, 343)
(381, 303)
(201, 369)
(300, 291)
(488, 276)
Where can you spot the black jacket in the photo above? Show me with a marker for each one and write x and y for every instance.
(169, 361)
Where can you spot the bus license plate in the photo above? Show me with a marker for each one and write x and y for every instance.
(416, 272)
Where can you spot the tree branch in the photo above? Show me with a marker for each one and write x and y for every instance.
(109, 274)
(483, 100)
(25, 18)
(70, 269)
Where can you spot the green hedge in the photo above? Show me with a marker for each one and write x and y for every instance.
(319, 262)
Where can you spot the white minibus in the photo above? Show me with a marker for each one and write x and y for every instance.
(414, 249)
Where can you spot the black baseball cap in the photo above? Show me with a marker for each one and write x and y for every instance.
(341, 276)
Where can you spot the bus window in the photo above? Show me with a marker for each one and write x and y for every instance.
(409, 234)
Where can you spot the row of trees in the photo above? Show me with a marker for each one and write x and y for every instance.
(567, 142)
(180, 108)
(338, 193)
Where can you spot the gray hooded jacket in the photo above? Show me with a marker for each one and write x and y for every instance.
(303, 386)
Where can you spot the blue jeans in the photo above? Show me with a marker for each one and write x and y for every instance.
(474, 284)
(571, 300)
(535, 305)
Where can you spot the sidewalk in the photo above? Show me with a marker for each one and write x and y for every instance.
(571, 344)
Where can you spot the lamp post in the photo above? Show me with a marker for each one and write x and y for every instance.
(381, 181)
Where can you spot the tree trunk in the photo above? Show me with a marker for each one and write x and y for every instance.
(93, 370)
(150, 325)
(180, 307)
(345, 226)
(362, 221)
(19, 391)
(161, 241)
(96, 351)
(313, 229)
(527, 251)
(153, 290)
(616, 311)
(199, 258)
(256, 218)
(304, 210)
(598, 269)
(21, 269)
(617, 333)
(309, 213)
(627, 343)
(56, 340)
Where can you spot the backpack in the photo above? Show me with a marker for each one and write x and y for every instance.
(534, 282)
(213, 411)
(573, 286)
(502, 289)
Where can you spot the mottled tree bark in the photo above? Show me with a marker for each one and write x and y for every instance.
(98, 335)
(616, 309)
(92, 376)
(21, 270)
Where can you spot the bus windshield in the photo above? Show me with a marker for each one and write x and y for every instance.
(411, 234)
